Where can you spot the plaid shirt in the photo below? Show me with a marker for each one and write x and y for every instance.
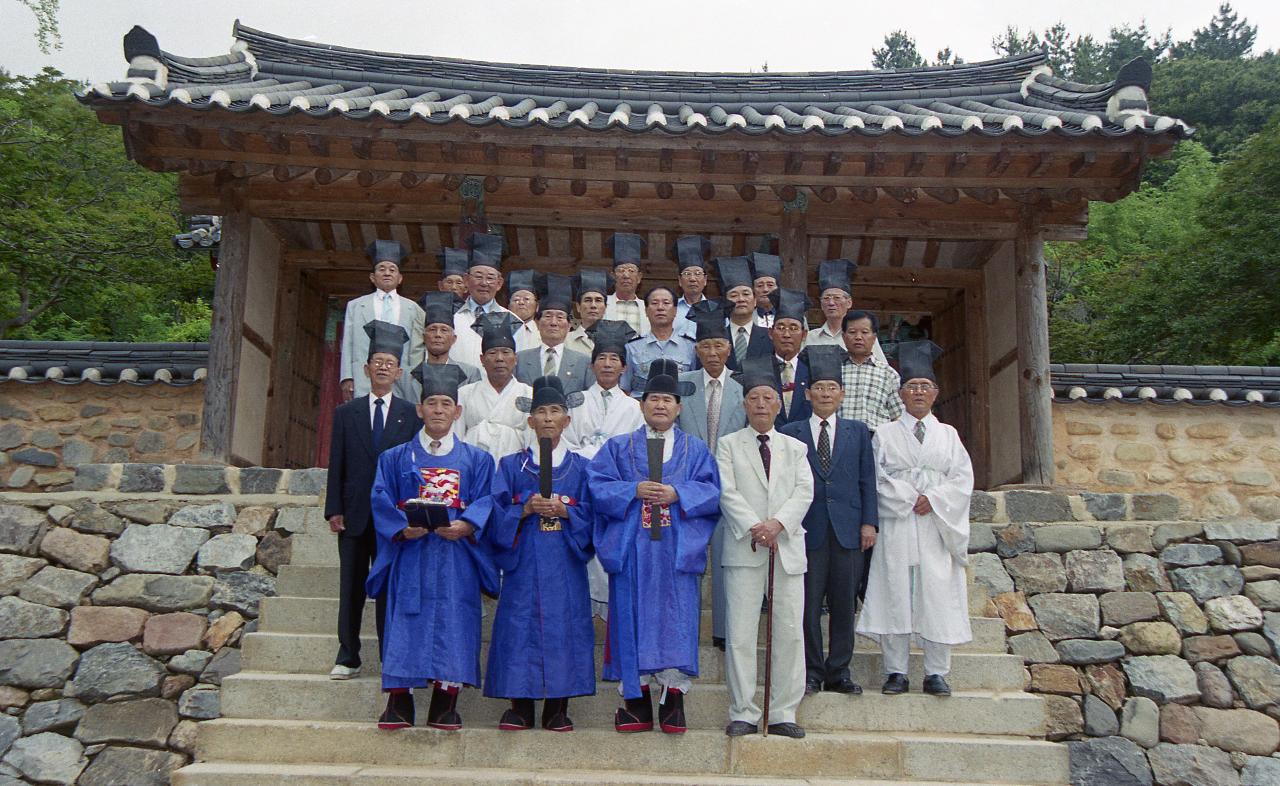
(870, 392)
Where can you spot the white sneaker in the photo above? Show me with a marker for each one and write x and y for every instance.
(340, 672)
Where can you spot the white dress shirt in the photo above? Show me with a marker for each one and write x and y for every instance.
(386, 300)
(446, 443)
(373, 408)
(815, 427)
(668, 441)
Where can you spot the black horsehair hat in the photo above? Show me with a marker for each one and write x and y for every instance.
(664, 377)
(837, 274)
(439, 307)
(757, 371)
(385, 251)
(691, 251)
(734, 272)
(611, 335)
(585, 281)
(708, 316)
(626, 247)
(915, 360)
(439, 379)
(549, 391)
(385, 337)
(523, 281)
(486, 249)
(763, 265)
(824, 362)
(789, 304)
(496, 329)
(453, 261)
(555, 292)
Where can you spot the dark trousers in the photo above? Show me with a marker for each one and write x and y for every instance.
(833, 576)
(355, 555)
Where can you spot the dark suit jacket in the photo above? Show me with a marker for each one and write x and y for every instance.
(575, 368)
(759, 345)
(845, 498)
(353, 458)
(801, 409)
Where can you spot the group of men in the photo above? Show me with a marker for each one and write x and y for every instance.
(572, 464)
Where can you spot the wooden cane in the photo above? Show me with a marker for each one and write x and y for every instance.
(768, 643)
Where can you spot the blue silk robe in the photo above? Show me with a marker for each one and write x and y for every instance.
(433, 585)
(654, 595)
(543, 638)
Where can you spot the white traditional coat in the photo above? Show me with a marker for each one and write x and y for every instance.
(590, 426)
(937, 608)
(490, 420)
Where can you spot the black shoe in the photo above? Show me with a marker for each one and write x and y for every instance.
(718, 642)
(895, 684)
(555, 715)
(443, 712)
(519, 717)
(671, 713)
(936, 685)
(399, 712)
(844, 685)
(812, 686)
(791, 730)
(740, 729)
(637, 715)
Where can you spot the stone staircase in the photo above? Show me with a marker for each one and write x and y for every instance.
(283, 720)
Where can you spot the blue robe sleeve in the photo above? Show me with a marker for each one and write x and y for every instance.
(581, 518)
(479, 493)
(385, 497)
(698, 506)
(504, 523)
(617, 509)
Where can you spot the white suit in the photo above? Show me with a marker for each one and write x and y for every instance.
(746, 499)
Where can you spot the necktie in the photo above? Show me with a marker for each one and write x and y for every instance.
(384, 307)
(740, 345)
(824, 448)
(435, 447)
(765, 455)
(549, 367)
(788, 378)
(604, 396)
(378, 422)
(713, 413)
(919, 431)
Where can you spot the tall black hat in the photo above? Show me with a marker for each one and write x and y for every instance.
(385, 337)
(439, 379)
(915, 360)
(708, 317)
(664, 377)
(385, 251)
(496, 329)
(837, 274)
(549, 391)
(763, 265)
(440, 307)
(522, 281)
(453, 261)
(555, 292)
(757, 371)
(824, 362)
(691, 251)
(789, 304)
(626, 247)
(611, 335)
(585, 281)
(486, 249)
(734, 272)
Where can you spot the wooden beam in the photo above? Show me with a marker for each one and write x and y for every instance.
(750, 163)
(362, 148)
(231, 139)
(867, 194)
(280, 389)
(832, 164)
(406, 150)
(865, 248)
(999, 163)
(793, 247)
(492, 183)
(947, 195)
(931, 249)
(904, 195)
(825, 193)
(794, 163)
(1032, 313)
(284, 173)
(706, 192)
(898, 252)
(367, 178)
(708, 163)
(974, 254)
(874, 163)
(225, 332)
(957, 163)
(1082, 163)
(975, 325)
(317, 143)
(411, 179)
(915, 164)
(1040, 164)
(621, 188)
(747, 192)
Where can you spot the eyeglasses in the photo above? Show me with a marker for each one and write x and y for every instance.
(919, 388)
(384, 364)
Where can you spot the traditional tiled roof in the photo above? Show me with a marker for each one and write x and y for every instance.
(270, 73)
(103, 362)
(1166, 384)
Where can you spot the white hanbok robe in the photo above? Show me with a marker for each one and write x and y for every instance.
(466, 349)
(937, 544)
(490, 420)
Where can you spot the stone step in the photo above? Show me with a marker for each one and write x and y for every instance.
(963, 758)
(316, 697)
(319, 615)
(254, 774)
(313, 653)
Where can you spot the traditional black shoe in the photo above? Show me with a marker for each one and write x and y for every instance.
(636, 715)
(555, 715)
(399, 712)
(812, 686)
(671, 713)
(519, 717)
(792, 730)
(895, 684)
(936, 685)
(443, 712)
(718, 642)
(740, 728)
(844, 685)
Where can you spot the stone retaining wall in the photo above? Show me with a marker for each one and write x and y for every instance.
(47, 429)
(1155, 643)
(1224, 460)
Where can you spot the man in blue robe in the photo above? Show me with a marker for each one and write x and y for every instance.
(654, 596)
(432, 570)
(543, 643)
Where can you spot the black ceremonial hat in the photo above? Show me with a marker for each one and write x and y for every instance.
(915, 360)
(708, 316)
(496, 329)
(385, 337)
(757, 371)
(585, 281)
(789, 304)
(837, 274)
(763, 265)
(439, 379)
(664, 377)
(555, 293)
(439, 307)
(522, 281)
(385, 251)
(734, 272)
(486, 249)
(611, 335)
(626, 247)
(824, 362)
(549, 391)
(691, 251)
(453, 261)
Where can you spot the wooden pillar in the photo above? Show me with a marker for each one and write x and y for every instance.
(793, 244)
(1035, 415)
(280, 393)
(225, 334)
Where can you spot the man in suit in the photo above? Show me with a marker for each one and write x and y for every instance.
(788, 333)
(841, 523)
(384, 304)
(766, 276)
(747, 339)
(363, 428)
(713, 411)
(550, 358)
(591, 289)
(522, 300)
(766, 488)
(484, 281)
(691, 264)
(453, 272)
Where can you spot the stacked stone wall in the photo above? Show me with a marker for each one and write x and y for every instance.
(47, 429)
(1222, 460)
(1154, 641)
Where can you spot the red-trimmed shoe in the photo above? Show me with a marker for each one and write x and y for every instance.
(443, 712)
(555, 715)
(636, 715)
(671, 713)
(399, 712)
(519, 717)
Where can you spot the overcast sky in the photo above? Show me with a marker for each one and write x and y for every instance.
(793, 35)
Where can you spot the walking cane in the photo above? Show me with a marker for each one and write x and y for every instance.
(768, 643)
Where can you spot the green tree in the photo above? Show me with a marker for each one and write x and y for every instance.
(1124, 43)
(48, 36)
(1226, 101)
(86, 234)
(1012, 42)
(1228, 37)
(899, 51)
